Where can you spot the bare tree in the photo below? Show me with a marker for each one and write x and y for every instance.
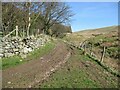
(54, 13)
(42, 15)
(31, 12)
(9, 16)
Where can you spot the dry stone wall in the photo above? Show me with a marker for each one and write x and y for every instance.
(18, 46)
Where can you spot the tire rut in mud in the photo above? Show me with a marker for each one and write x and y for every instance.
(28, 74)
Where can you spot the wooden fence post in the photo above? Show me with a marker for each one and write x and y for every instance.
(91, 49)
(85, 48)
(103, 54)
(16, 31)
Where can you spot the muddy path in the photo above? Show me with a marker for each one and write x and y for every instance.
(76, 71)
(35, 71)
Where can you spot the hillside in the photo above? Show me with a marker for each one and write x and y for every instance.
(107, 36)
(99, 30)
(39, 49)
(80, 36)
(62, 64)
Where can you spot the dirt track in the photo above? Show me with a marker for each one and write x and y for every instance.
(35, 71)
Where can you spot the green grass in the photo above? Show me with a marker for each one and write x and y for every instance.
(75, 77)
(111, 50)
(17, 60)
(11, 61)
(72, 38)
(41, 51)
(103, 38)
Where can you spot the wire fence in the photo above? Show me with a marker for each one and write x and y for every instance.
(22, 33)
(87, 49)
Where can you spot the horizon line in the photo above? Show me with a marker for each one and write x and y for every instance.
(96, 28)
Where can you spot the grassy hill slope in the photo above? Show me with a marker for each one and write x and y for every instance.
(80, 36)
(99, 30)
(107, 36)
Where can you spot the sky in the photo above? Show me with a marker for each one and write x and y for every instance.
(90, 15)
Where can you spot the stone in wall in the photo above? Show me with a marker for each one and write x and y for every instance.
(19, 46)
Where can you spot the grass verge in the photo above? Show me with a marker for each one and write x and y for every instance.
(11, 61)
(37, 53)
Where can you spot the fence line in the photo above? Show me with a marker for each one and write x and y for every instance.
(9, 34)
(22, 33)
(93, 57)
